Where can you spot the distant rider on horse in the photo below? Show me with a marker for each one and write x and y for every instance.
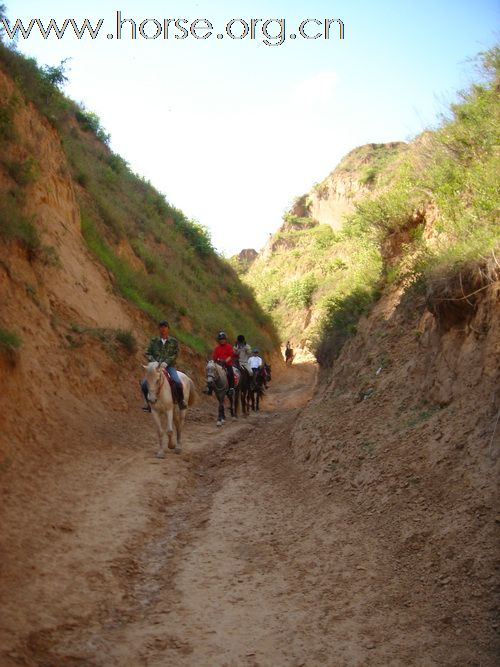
(224, 354)
(164, 348)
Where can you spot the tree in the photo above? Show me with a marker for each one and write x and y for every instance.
(3, 17)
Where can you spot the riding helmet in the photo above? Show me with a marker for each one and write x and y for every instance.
(221, 335)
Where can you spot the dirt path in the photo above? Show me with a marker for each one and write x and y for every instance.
(225, 556)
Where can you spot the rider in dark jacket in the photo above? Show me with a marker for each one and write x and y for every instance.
(164, 348)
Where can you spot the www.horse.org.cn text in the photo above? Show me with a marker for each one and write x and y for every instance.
(271, 32)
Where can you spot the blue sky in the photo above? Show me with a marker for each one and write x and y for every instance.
(231, 130)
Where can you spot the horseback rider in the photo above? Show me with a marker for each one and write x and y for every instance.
(255, 361)
(224, 354)
(164, 348)
(243, 351)
(288, 351)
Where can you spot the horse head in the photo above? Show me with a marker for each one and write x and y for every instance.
(155, 379)
(216, 375)
(211, 372)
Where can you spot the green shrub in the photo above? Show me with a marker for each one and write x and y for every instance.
(197, 235)
(9, 341)
(340, 321)
(368, 176)
(90, 122)
(7, 128)
(324, 237)
(127, 340)
(299, 293)
(38, 84)
(15, 226)
(23, 173)
(299, 222)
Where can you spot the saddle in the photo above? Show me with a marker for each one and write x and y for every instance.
(173, 386)
(236, 372)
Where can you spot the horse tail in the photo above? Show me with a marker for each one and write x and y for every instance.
(192, 393)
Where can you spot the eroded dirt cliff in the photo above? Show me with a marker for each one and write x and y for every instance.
(405, 429)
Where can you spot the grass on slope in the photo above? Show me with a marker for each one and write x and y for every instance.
(433, 216)
(170, 268)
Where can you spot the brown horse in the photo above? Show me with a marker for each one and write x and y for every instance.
(257, 383)
(244, 390)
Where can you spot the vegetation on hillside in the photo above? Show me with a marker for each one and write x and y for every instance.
(372, 164)
(431, 215)
(169, 267)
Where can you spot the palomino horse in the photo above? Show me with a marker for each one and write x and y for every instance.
(161, 401)
(217, 379)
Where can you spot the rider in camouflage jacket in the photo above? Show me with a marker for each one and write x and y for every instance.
(159, 351)
(164, 348)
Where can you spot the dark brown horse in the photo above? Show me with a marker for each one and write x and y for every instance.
(257, 384)
(244, 390)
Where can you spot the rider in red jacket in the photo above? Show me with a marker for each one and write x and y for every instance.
(224, 354)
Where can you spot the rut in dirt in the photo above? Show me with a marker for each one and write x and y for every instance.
(255, 561)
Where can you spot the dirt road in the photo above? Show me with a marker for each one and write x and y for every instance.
(225, 556)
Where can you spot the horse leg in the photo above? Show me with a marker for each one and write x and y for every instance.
(161, 434)
(179, 417)
(221, 417)
(234, 403)
(170, 428)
